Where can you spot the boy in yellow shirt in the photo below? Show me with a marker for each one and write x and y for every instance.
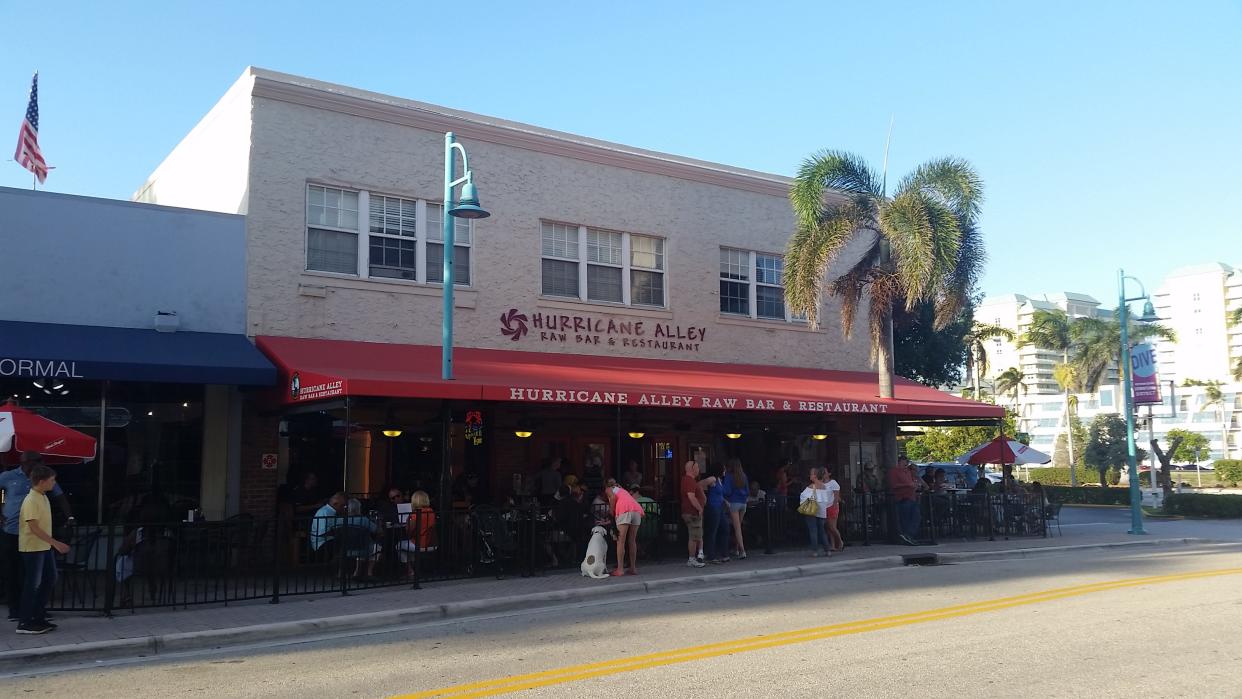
(35, 544)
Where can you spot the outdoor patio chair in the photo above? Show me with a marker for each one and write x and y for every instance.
(74, 567)
(1052, 513)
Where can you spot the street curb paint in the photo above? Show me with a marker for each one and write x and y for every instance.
(156, 645)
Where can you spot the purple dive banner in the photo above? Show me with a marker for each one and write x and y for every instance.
(1143, 375)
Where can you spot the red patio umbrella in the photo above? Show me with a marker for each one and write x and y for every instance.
(22, 430)
(1004, 450)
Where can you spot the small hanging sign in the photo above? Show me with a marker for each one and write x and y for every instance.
(474, 427)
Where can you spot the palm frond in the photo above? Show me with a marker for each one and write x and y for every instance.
(829, 170)
(849, 287)
(809, 254)
(1235, 316)
(925, 239)
(885, 290)
(954, 298)
(952, 182)
(1049, 330)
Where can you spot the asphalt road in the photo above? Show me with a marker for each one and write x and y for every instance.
(1084, 625)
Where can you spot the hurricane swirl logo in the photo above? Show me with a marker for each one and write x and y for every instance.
(514, 324)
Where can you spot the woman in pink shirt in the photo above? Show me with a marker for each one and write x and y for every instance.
(628, 515)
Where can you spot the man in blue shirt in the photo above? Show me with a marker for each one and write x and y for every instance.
(329, 517)
(16, 484)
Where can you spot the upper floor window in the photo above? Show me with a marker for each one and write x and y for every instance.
(402, 240)
(601, 265)
(752, 284)
(331, 230)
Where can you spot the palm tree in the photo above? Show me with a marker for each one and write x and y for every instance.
(920, 245)
(1213, 396)
(1010, 381)
(977, 351)
(1066, 376)
(1096, 346)
(1050, 330)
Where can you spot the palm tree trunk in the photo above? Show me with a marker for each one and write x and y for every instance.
(1069, 430)
(974, 372)
(885, 356)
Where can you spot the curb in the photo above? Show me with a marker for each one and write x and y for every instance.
(149, 646)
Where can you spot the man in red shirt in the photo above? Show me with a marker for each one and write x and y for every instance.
(901, 485)
(692, 501)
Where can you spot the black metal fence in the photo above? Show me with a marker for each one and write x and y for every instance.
(122, 567)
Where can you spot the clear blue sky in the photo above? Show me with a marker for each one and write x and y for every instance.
(1107, 132)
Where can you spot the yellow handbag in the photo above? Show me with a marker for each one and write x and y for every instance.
(809, 507)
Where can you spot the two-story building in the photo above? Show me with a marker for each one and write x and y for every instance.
(618, 305)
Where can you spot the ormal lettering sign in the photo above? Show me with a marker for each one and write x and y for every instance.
(632, 336)
(14, 367)
(681, 400)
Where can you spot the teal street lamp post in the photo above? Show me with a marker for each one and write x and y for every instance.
(466, 207)
(1149, 315)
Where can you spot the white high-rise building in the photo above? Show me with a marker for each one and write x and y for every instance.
(1015, 311)
(1195, 302)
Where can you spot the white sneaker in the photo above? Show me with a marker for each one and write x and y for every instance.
(695, 563)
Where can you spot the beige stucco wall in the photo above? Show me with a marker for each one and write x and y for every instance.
(366, 144)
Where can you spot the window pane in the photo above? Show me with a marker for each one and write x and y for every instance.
(604, 283)
(603, 247)
(435, 226)
(461, 264)
(560, 278)
(734, 264)
(326, 206)
(332, 251)
(560, 240)
(734, 297)
(646, 288)
(646, 252)
(392, 258)
(770, 302)
(769, 269)
(391, 216)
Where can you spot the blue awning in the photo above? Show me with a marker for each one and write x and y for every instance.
(35, 350)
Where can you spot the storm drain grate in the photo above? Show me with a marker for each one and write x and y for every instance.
(920, 559)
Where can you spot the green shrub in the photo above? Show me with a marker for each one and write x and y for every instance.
(1202, 505)
(1088, 496)
(1061, 476)
(1228, 470)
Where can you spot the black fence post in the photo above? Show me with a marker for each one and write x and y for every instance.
(276, 539)
(109, 569)
(931, 517)
(768, 505)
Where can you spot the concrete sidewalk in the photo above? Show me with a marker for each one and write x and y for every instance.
(157, 631)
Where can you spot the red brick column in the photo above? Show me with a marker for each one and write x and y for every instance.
(260, 435)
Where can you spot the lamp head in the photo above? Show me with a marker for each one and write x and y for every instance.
(468, 205)
(636, 434)
(1149, 313)
(391, 431)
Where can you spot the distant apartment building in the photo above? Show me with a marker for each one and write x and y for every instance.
(1194, 301)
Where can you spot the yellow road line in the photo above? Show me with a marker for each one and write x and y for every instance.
(575, 673)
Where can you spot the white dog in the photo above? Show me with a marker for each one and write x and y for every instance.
(595, 564)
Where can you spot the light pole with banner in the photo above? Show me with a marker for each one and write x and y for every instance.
(1127, 369)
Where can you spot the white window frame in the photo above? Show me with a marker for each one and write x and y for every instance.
(752, 284)
(627, 267)
(356, 232)
(363, 263)
(427, 239)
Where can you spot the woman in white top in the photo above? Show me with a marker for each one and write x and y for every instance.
(815, 528)
(833, 510)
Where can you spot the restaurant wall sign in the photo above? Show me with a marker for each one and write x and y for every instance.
(12, 367)
(313, 387)
(681, 400)
(639, 336)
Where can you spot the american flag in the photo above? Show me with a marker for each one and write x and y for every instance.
(28, 154)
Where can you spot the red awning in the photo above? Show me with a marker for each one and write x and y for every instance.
(314, 370)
